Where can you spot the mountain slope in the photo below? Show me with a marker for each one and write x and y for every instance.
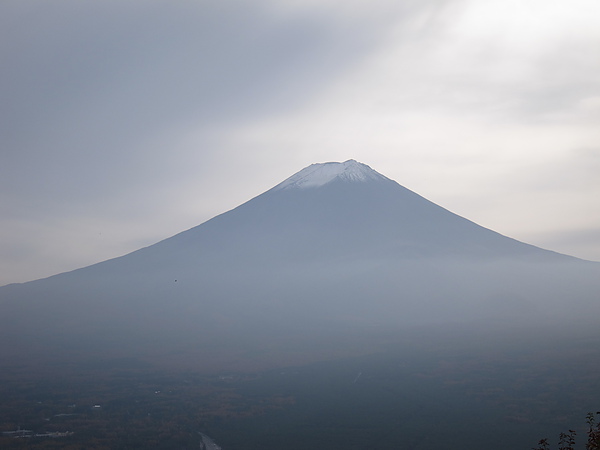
(335, 247)
(356, 211)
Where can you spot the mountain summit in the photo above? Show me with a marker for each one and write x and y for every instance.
(334, 211)
(335, 247)
(317, 175)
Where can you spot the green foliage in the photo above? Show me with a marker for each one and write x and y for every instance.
(543, 445)
(593, 432)
(566, 441)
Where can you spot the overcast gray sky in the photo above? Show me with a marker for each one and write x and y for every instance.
(125, 122)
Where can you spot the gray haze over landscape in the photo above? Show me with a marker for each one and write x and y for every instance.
(253, 321)
(125, 122)
(336, 249)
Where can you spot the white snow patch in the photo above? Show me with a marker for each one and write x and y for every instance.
(317, 175)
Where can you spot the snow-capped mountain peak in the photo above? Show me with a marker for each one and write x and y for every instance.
(320, 174)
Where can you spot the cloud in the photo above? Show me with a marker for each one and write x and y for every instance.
(97, 99)
(93, 95)
(156, 115)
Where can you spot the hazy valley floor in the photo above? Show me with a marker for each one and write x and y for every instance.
(431, 388)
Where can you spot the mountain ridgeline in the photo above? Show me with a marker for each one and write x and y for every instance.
(337, 250)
